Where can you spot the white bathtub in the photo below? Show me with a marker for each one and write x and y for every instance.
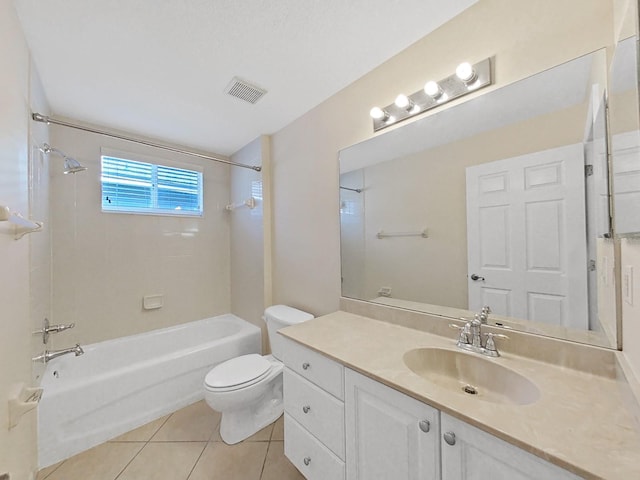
(124, 383)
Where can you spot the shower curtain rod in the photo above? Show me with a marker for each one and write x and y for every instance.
(44, 119)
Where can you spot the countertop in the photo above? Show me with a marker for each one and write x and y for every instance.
(582, 422)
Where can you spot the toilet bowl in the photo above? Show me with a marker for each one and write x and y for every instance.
(247, 390)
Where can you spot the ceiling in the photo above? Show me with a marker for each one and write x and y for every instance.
(158, 68)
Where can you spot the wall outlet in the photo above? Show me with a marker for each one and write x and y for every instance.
(627, 284)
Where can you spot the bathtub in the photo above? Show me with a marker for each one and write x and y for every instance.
(121, 384)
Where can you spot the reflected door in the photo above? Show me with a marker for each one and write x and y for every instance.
(526, 237)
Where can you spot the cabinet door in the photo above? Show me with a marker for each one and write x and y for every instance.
(477, 455)
(389, 435)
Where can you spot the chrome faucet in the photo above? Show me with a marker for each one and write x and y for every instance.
(47, 329)
(472, 339)
(47, 356)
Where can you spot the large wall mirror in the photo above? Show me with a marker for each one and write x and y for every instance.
(503, 200)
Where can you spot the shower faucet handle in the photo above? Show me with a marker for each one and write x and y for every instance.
(48, 329)
(60, 327)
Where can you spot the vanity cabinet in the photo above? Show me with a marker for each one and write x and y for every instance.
(469, 453)
(389, 435)
(314, 437)
(340, 424)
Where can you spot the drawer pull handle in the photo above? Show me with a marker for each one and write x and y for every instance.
(307, 460)
(305, 366)
(425, 426)
(450, 438)
(306, 409)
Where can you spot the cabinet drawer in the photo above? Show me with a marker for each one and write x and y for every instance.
(316, 368)
(316, 410)
(312, 458)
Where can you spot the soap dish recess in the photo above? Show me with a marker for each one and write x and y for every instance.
(151, 302)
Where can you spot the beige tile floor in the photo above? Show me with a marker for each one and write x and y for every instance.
(185, 445)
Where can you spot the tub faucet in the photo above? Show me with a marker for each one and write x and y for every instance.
(50, 355)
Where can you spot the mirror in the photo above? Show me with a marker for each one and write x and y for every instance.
(502, 200)
(625, 137)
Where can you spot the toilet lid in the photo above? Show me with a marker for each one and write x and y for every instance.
(238, 371)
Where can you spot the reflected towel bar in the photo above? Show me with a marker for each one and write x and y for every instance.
(383, 234)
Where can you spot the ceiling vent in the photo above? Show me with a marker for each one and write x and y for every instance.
(244, 90)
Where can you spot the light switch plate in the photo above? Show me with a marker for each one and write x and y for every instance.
(627, 284)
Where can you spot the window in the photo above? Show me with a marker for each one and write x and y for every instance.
(131, 186)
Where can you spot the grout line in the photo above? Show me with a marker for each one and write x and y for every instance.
(143, 447)
(160, 427)
(130, 461)
(206, 444)
(51, 472)
(264, 462)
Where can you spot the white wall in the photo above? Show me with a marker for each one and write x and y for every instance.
(523, 38)
(105, 263)
(24, 278)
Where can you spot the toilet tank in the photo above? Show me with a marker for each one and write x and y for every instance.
(280, 316)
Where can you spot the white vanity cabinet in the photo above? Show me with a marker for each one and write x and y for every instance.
(340, 424)
(314, 438)
(471, 454)
(389, 435)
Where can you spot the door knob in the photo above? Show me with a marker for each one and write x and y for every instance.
(306, 409)
(475, 277)
(307, 460)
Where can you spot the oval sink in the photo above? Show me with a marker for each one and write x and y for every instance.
(472, 375)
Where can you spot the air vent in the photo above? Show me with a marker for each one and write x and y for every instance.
(244, 90)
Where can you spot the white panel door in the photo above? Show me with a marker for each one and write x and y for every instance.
(526, 237)
(471, 454)
(389, 435)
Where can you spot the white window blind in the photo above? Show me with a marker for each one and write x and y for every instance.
(137, 187)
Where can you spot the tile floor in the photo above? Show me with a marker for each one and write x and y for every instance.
(185, 445)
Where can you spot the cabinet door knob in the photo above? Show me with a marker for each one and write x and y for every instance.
(307, 460)
(425, 425)
(450, 438)
(305, 366)
(306, 409)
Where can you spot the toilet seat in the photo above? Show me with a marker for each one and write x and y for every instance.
(237, 373)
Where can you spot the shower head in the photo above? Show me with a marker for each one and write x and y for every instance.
(71, 165)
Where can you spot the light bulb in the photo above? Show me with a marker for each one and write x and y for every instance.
(379, 114)
(432, 89)
(402, 101)
(466, 73)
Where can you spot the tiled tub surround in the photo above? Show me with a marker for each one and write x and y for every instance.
(583, 422)
(123, 383)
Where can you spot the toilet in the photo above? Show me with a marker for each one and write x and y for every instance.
(247, 390)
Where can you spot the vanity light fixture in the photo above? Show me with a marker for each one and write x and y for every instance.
(466, 79)
(402, 101)
(380, 115)
(466, 73)
(432, 89)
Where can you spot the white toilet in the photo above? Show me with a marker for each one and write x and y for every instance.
(247, 390)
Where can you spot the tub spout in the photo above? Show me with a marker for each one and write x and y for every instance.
(50, 355)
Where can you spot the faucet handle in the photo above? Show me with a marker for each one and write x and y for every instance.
(490, 345)
(463, 338)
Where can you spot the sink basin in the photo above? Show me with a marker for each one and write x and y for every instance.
(473, 375)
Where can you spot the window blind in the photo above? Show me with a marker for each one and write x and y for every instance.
(137, 187)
